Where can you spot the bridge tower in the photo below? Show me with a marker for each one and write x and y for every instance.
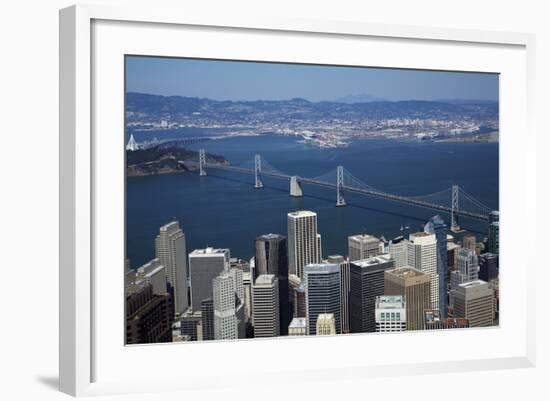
(340, 201)
(454, 209)
(202, 162)
(258, 172)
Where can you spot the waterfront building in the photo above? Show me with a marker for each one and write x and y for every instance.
(493, 237)
(297, 327)
(366, 283)
(344, 289)
(474, 300)
(326, 324)
(415, 286)
(436, 225)
(423, 256)
(434, 321)
(271, 258)
(170, 249)
(322, 284)
(398, 249)
(204, 266)
(207, 319)
(265, 295)
(304, 242)
(149, 316)
(390, 313)
(488, 266)
(362, 246)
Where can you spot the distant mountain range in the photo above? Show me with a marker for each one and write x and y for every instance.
(360, 98)
(141, 106)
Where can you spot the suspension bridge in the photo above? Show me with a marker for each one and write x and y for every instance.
(454, 200)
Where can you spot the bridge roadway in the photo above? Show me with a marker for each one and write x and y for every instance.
(363, 191)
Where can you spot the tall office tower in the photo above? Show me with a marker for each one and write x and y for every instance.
(326, 324)
(363, 246)
(149, 316)
(466, 268)
(391, 313)
(469, 241)
(322, 282)
(189, 324)
(303, 241)
(437, 226)
(297, 327)
(237, 275)
(434, 321)
(494, 216)
(265, 300)
(247, 285)
(493, 237)
(344, 289)
(399, 251)
(225, 301)
(153, 272)
(207, 319)
(452, 252)
(474, 301)
(488, 266)
(204, 266)
(299, 301)
(271, 258)
(171, 251)
(423, 257)
(293, 282)
(415, 286)
(366, 283)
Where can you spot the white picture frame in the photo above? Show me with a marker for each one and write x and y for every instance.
(92, 39)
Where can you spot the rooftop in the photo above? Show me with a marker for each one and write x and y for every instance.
(364, 237)
(302, 213)
(390, 301)
(298, 322)
(406, 272)
(373, 261)
(265, 279)
(321, 268)
(208, 251)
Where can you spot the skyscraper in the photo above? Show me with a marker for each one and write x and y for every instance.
(466, 267)
(204, 266)
(326, 324)
(494, 237)
(171, 251)
(304, 243)
(344, 289)
(391, 313)
(366, 283)
(271, 258)
(415, 286)
(436, 225)
(153, 272)
(265, 301)
(363, 246)
(488, 266)
(469, 241)
(322, 283)
(474, 301)
(423, 257)
(225, 302)
(207, 319)
(398, 250)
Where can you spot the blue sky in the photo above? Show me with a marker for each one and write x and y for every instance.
(238, 80)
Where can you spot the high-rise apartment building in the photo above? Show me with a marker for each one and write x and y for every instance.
(415, 286)
(423, 256)
(326, 324)
(322, 283)
(474, 300)
(271, 258)
(265, 299)
(366, 283)
(363, 246)
(436, 225)
(390, 313)
(344, 289)
(170, 249)
(398, 249)
(204, 266)
(304, 242)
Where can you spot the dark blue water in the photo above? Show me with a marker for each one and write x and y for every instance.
(224, 210)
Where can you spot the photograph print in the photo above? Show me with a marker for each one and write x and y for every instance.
(281, 200)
